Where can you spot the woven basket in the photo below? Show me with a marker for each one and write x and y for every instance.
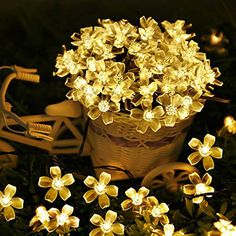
(120, 145)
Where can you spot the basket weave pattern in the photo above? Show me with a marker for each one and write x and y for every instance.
(118, 144)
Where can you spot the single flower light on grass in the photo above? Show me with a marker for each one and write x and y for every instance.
(106, 227)
(8, 202)
(136, 198)
(198, 187)
(56, 184)
(100, 189)
(204, 151)
(62, 222)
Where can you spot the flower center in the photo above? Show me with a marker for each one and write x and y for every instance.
(62, 219)
(204, 150)
(103, 106)
(102, 76)
(200, 188)
(137, 199)
(88, 91)
(117, 90)
(171, 110)
(106, 227)
(42, 214)
(148, 115)
(57, 184)
(5, 201)
(156, 212)
(100, 189)
(187, 101)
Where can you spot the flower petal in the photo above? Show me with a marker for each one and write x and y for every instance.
(118, 228)
(195, 178)
(17, 202)
(143, 191)
(91, 182)
(90, 196)
(45, 182)
(142, 127)
(107, 117)
(164, 100)
(206, 179)
(194, 158)
(51, 195)
(10, 190)
(74, 221)
(155, 125)
(208, 163)
(53, 212)
(197, 106)
(9, 213)
(189, 189)
(55, 172)
(126, 205)
(158, 111)
(110, 216)
(216, 152)
(112, 190)
(177, 100)
(96, 220)
(209, 140)
(52, 225)
(183, 112)
(103, 201)
(152, 201)
(163, 207)
(169, 229)
(104, 178)
(96, 232)
(67, 209)
(198, 200)
(136, 114)
(130, 192)
(94, 113)
(64, 193)
(68, 179)
(170, 120)
(195, 143)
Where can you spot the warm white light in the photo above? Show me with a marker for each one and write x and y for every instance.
(204, 150)
(171, 110)
(5, 201)
(100, 188)
(137, 199)
(57, 184)
(106, 227)
(200, 188)
(156, 211)
(148, 115)
(62, 219)
(103, 106)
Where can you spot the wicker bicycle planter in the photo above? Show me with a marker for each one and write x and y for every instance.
(120, 145)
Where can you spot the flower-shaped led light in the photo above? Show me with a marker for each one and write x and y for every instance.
(100, 189)
(204, 151)
(168, 230)
(157, 211)
(199, 187)
(40, 220)
(8, 202)
(136, 198)
(62, 222)
(230, 124)
(148, 118)
(57, 184)
(106, 226)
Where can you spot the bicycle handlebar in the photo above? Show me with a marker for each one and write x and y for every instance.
(27, 77)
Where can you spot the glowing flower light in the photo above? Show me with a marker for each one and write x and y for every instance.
(8, 202)
(199, 187)
(204, 151)
(57, 184)
(100, 189)
(106, 226)
(230, 124)
(136, 198)
(143, 66)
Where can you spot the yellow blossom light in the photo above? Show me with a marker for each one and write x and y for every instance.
(106, 226)
(8, 202)
(230, 124)
(56, 184)
(145, 66)
(100, 189)
(204, 151)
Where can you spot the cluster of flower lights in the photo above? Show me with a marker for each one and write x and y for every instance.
(153, 73)
(147, 210)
